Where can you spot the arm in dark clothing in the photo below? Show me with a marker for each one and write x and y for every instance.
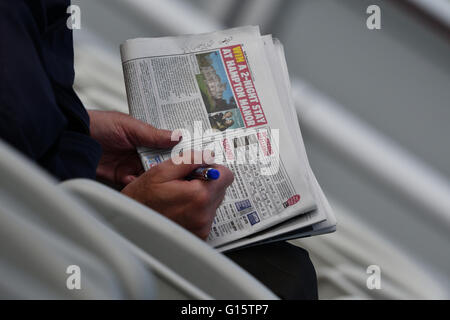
(40, 114)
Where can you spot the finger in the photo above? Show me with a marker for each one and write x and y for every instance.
(225, 180)
(219, 197)
(180, 168)
(128, 179)
(204, 231)
(130, 166)
(145, 135)
(213, 187)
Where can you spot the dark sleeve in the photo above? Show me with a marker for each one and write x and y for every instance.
(40, 114)
(30, 119)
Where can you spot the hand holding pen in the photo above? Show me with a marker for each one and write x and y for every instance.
(192, 203)
(205, 173)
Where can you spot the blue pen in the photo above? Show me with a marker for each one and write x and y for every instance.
(205, 174)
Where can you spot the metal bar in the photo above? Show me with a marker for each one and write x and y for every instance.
(258, 12)
(440, 9)
(220, 9)
(174, 16)
(374, 153)
(433, 13)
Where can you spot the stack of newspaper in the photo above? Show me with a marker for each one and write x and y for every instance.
(229, 91)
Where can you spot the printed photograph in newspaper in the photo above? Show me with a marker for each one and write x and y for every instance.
(223, 112)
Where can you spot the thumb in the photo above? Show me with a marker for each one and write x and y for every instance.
(145, 135)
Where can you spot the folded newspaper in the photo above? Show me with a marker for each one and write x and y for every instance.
(229, 91)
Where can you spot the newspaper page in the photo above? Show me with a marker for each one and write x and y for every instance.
(296, 227)
(218, 90)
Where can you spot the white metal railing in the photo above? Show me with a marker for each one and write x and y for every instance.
(440, 9)
(258, 12)
(342, 258)
(376, 155)
(174, 16)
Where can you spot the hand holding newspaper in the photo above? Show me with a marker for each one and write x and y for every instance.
(229, 91)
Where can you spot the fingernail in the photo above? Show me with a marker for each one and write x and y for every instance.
(176, 136)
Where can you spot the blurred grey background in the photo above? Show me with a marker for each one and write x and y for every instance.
(390, 87)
